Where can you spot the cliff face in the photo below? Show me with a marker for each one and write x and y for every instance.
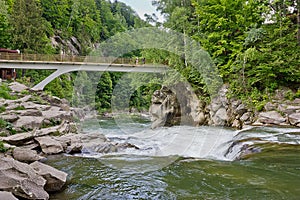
(178, 105)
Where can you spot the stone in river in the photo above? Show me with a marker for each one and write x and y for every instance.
(49, 146)
(55, 179)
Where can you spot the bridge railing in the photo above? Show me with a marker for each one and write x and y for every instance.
(64, 58)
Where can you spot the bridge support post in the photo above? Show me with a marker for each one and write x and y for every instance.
(57, 73)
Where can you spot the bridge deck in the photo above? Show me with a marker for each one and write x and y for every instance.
(62, 66)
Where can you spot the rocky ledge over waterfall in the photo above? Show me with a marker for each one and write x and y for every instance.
(179, 105)
(26, 116)
(34, 126)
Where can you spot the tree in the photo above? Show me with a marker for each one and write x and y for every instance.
(58, 13)
(29, 28)
(86, 23)
(5, 39)
(104, 92)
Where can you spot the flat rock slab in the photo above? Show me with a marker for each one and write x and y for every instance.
(18, 139)
(49, 145)
(294, 119)
(10, 118)
(31, 105)
(26, 155)
(54, 112)
(30, 112)
(22, 138)
(29, 122)
(17, 87)
(7, 196)
(55, 179)
(21, 179)
(272, 117)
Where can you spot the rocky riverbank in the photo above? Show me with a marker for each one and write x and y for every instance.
(34, 126)
(180, 106)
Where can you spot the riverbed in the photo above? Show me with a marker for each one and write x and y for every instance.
(184, 163)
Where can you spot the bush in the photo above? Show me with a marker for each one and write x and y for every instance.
(4, 92)
(2, 109)
(7, 126)
(3, 123)
(2, 148)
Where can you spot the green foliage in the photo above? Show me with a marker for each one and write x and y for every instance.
(20, 108)
(4, 92)
(254, 57)
(2, 148)
(29, 32)
(5, 37)
(2, 109)
(38, 100)
(61, 87)
(7, 126)
(297, 94)
(3, 123)
(104, 92)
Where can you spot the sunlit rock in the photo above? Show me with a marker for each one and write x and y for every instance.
(55, 179)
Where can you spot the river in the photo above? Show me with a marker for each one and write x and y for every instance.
(164, 166)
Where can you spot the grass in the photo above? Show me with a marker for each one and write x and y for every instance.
(38, 100)
(2, 148)
(7, 126)
(3, 123)
(20, 108)
(2, 109)
(4, 92)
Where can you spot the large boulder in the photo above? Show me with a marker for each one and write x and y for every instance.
(10, 118)
(26, 155)
(29, 122)
(218, 108)
(71, 143)
(30, 112)
(17, 87)
(20, 179)
(294, 119)
(272, 118)
(220, 117)
(32, 105)
(49, 145)
(7, 196)
(19, 139)
(57, 114)
(55, 179)
(176, 105)
(165, 108)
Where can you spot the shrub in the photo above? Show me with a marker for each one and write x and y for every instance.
(2, 109)
(20, 108)
(4, 92)
(2, 148)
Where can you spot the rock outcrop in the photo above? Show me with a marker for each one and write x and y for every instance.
(31, 121)
(21, 180)
(55, 179)
(7, 196)
(178, 105)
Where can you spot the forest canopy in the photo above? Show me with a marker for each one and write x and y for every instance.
(255, 44)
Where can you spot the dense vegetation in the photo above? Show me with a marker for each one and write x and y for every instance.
(68, 26)
(254, 43)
